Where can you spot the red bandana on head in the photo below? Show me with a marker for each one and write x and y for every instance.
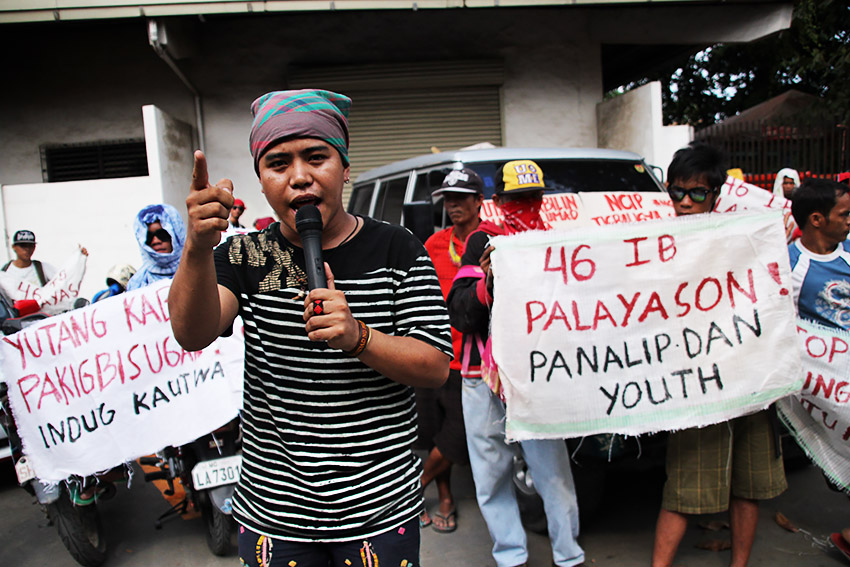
(523, 214)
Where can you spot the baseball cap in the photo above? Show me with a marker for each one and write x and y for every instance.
(519, 176)
(239, 203)
(24, 237)
(461, 181)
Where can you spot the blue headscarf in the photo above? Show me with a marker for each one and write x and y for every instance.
(156, 266)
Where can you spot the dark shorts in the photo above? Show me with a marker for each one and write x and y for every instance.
(440, 419)
(399, 546)
(705, 466)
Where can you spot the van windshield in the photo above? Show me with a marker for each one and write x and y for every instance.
(573, 176)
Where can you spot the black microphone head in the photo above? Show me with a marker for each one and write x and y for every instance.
(308, 217)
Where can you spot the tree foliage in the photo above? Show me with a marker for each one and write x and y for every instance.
(812, 56)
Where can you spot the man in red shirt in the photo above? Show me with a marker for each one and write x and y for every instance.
(441, 429)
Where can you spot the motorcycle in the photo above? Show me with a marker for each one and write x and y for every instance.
(208, 469)
(64, 504)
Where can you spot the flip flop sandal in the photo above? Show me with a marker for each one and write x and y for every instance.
(838, 542)
(424, 523)
(448, 527)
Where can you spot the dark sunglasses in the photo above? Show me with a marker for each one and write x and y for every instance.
(235, 207)
(161, 234)
(697, 194)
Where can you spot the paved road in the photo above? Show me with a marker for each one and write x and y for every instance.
(618, 535)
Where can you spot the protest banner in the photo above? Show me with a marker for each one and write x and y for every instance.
(642, 327)
(55, 296)
(98, 386)
(571, 210)
(736, 196)
(819, 415)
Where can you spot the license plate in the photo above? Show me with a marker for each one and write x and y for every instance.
(24, 471)
(209, 474)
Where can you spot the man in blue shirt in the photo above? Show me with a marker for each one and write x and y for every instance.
(820, 259)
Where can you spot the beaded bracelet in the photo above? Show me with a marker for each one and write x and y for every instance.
(363, 342)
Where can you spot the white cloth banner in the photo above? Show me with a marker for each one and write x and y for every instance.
(95, 387)
(635, 328)
(584, 209)
(819, 415)
(57, 295)
(736, 196)
(571, 210)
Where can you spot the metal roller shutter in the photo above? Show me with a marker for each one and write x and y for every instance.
(402, 111)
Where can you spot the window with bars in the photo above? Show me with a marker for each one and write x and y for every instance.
(94, 160)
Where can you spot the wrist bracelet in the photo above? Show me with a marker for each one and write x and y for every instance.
(363, 341)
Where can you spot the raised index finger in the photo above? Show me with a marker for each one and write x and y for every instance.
(200, 177)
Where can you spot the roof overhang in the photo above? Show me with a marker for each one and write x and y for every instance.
(19, 11)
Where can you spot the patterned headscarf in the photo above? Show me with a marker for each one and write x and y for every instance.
(157, 266)
(304, 113)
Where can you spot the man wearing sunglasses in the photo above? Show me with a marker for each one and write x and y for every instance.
(235, 212)
(725, 466)
(697, 181)
(160, 232)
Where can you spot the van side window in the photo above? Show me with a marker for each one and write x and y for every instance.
(390, 199)
(361, 198)
(428, 182)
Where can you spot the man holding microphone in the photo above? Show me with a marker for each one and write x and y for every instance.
(329, 476)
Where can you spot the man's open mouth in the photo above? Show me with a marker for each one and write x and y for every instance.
(301, 201)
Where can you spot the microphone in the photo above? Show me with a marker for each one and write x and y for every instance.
(308, 223)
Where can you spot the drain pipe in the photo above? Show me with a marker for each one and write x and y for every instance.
(157, 40)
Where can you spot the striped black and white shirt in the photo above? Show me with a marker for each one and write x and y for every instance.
(327, 440)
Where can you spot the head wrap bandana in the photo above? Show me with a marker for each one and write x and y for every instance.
(305, 114)
(780, 177)
(156, 266)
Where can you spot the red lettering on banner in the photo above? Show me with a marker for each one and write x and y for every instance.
(666, 249)
(48, 389)
(599, 316)
(63, 386)
(103, 370)
(557, 314)
(652, 306)
(629, 307)
(687, 306)
(579, 326)
(133, 362)
(637, 261)
(666, 243)
(620, 218)
(842, 396)
(85, 376)
(24, 393)
(700, 287)
(816, 347)
(732, 282)
(66, 335)
(624, 201)
(162, 299)
(72, 333)
(582, 269)
(145, 309)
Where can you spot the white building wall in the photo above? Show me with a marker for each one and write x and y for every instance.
(170, 155)
(99, 214)
(634, 121)
(96, 214)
